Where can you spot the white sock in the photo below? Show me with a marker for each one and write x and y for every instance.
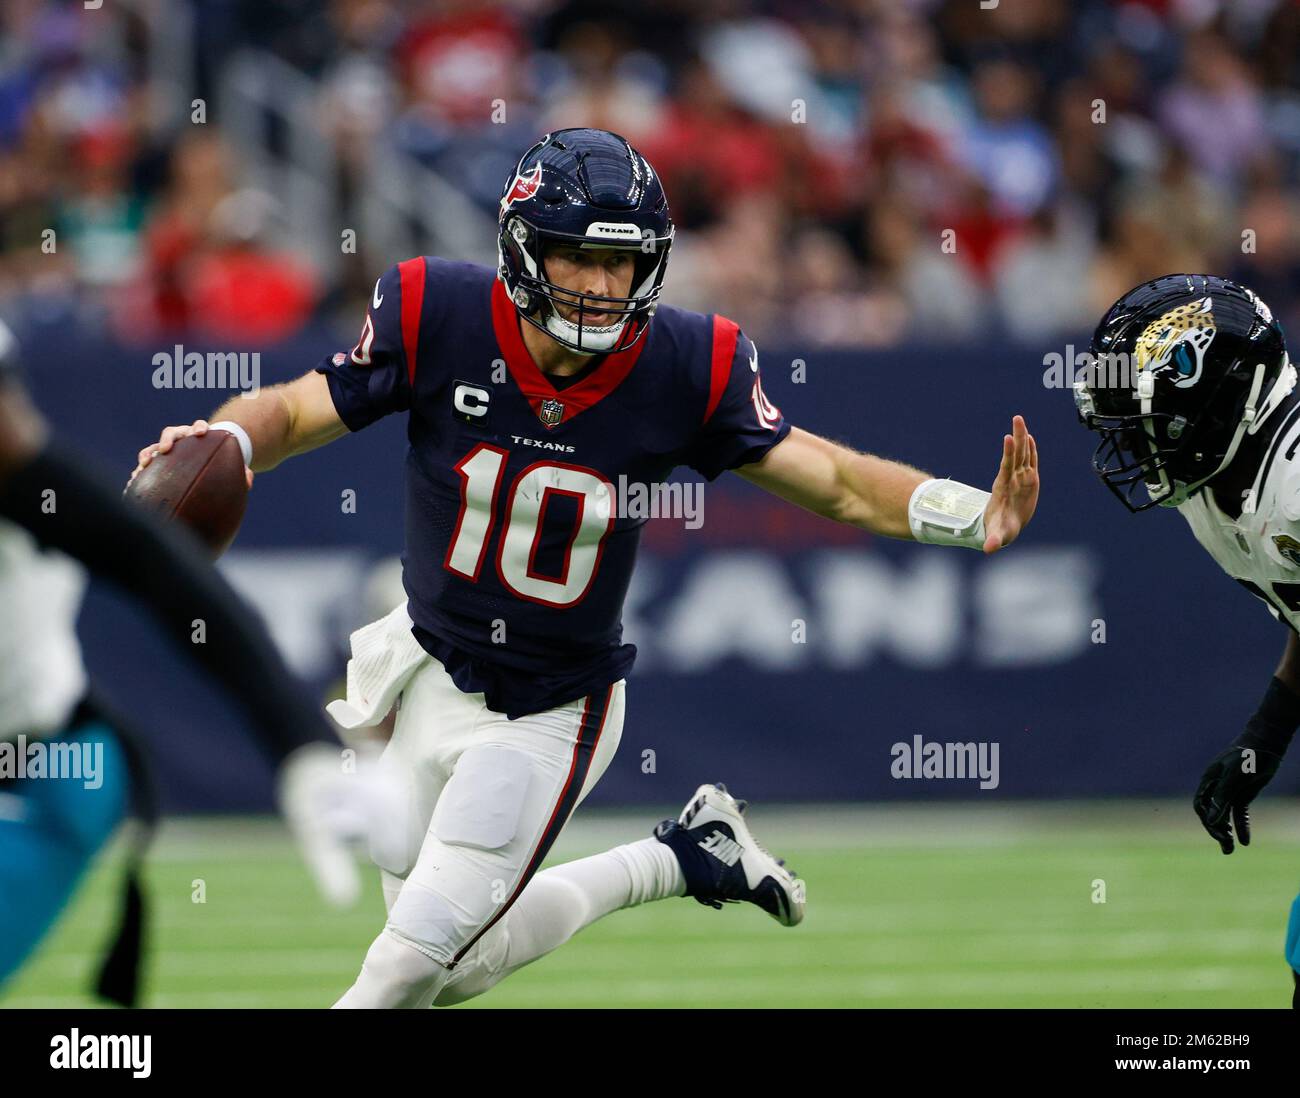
(653, 873)
(560, 901)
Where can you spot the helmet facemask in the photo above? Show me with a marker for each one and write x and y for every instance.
(1165, 453)
(539, 300)
(1129, 455)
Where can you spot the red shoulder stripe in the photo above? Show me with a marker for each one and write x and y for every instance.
(534, 384)
(411, 275)
(725, 334)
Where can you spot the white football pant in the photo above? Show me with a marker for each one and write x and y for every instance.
(484, 800)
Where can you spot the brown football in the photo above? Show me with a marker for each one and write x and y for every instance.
(201, 482)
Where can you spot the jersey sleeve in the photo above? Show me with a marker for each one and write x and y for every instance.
(374, 379)
(740, 424)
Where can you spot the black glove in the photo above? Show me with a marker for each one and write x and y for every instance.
(1227, 788)
(1236, 777)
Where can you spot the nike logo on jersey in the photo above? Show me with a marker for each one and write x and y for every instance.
(379, 298)
(727, 851)
(753, 358)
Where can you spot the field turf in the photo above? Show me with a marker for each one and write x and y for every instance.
(973, 905)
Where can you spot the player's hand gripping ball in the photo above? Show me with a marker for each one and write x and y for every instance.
(200, 481)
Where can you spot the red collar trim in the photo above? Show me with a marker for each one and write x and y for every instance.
(535, 385)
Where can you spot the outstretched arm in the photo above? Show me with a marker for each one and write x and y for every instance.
(873, 493)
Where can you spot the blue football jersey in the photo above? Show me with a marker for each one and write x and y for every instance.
(516, 558)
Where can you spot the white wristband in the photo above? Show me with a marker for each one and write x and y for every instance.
(245, 443)
(947, 512)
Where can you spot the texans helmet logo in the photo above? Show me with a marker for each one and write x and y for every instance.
(524, 186)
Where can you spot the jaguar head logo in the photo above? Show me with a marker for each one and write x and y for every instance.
(1177, 342)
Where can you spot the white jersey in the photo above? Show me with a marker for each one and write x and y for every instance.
(42, 676)
(1261, 548)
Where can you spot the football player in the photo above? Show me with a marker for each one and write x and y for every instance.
(1194, 397)
(52, 826)
(530, 389)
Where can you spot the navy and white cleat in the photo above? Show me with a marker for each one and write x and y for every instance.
(723, 862)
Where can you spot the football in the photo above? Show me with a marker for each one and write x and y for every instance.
(200, 482)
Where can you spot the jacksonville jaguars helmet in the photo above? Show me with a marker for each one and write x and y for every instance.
(589, 189)
(1182, 368)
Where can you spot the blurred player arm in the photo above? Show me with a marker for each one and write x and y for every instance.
(48, 492)
(22, 430)
(873, 493)
(280, 422)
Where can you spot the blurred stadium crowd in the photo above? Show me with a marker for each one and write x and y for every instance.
(814, 152)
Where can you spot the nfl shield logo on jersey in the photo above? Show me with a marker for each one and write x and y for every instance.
(551, 412)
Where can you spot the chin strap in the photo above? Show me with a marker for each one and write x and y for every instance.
(1282, 388)
(597, 341)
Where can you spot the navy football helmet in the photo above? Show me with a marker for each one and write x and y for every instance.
(589, 189)
(1183, 367)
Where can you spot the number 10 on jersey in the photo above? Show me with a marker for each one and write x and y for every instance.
(481, 472)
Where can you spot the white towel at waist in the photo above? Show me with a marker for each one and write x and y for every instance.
(384, 656)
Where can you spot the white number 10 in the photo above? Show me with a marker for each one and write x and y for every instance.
(481, 472)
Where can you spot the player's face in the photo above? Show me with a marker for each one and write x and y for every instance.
(600, 272)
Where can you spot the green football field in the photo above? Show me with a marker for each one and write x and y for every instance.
(969, 906)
